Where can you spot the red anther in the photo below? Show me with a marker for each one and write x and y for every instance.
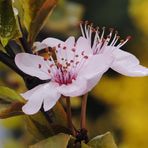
(68, 64)
(128, 37)
(59, 45)
(49, 71)
(76, 55)
(71, 61)
(62, 59)
(85, 57)
(39, 65)
(51, 65)
(64, 47)
(73, 49)
(108, 37)
(82, 53)
(59, 65)
(93, 30)
(77, 62)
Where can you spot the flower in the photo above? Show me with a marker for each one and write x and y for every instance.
(124, 62)
(71, 69)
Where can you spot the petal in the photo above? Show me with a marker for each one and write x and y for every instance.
(52, 42)
(96, 65)
(65, 50)
(92, 82)
(29, 64)
(52, 98)
(70, 42)
(35, 99)
(77, 88)
(127, 64)
(45, 94)
(83, 44)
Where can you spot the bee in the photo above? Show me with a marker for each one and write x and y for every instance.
(44, 51)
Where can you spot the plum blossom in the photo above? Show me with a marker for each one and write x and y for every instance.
(124, 62)
(70, 69)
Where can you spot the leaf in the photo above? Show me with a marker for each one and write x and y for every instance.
(9, 28)
(103, 141)
(41, 127)
(83, 145)
(10, 103)
(38, 126)
(35, 14)
(58, 141)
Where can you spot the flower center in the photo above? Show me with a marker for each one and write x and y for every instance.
(63, 63)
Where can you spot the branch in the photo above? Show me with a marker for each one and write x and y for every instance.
(7, 60)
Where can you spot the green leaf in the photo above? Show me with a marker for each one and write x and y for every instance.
(9, 28)
(83, 145)
(58, 141)
(10, 103)
(35, 14)
(38, 126)
(41, 127)
(103, 141)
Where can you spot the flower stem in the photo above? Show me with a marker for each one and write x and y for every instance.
(83, 111)
(69, 115)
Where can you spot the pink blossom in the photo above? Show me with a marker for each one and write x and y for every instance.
(124, 62)
(73, 71)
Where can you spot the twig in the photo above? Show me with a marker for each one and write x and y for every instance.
(83, 111)
(7, 60)
(69, 115)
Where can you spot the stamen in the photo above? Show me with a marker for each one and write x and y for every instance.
(39, 66)
(73, 49)
(59, 45)
(85, 57)
(64, 47)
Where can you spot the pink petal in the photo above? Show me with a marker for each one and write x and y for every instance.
(65, 49)
(77, 88)
(45, 94)
(52, 42)
(35, 99)
(52, 98)
(83, 44)
(96, 65)
(92, 82)
(33, 65)
(127, 64)
(70, 42)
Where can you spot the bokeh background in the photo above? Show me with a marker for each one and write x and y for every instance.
(118, 103)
